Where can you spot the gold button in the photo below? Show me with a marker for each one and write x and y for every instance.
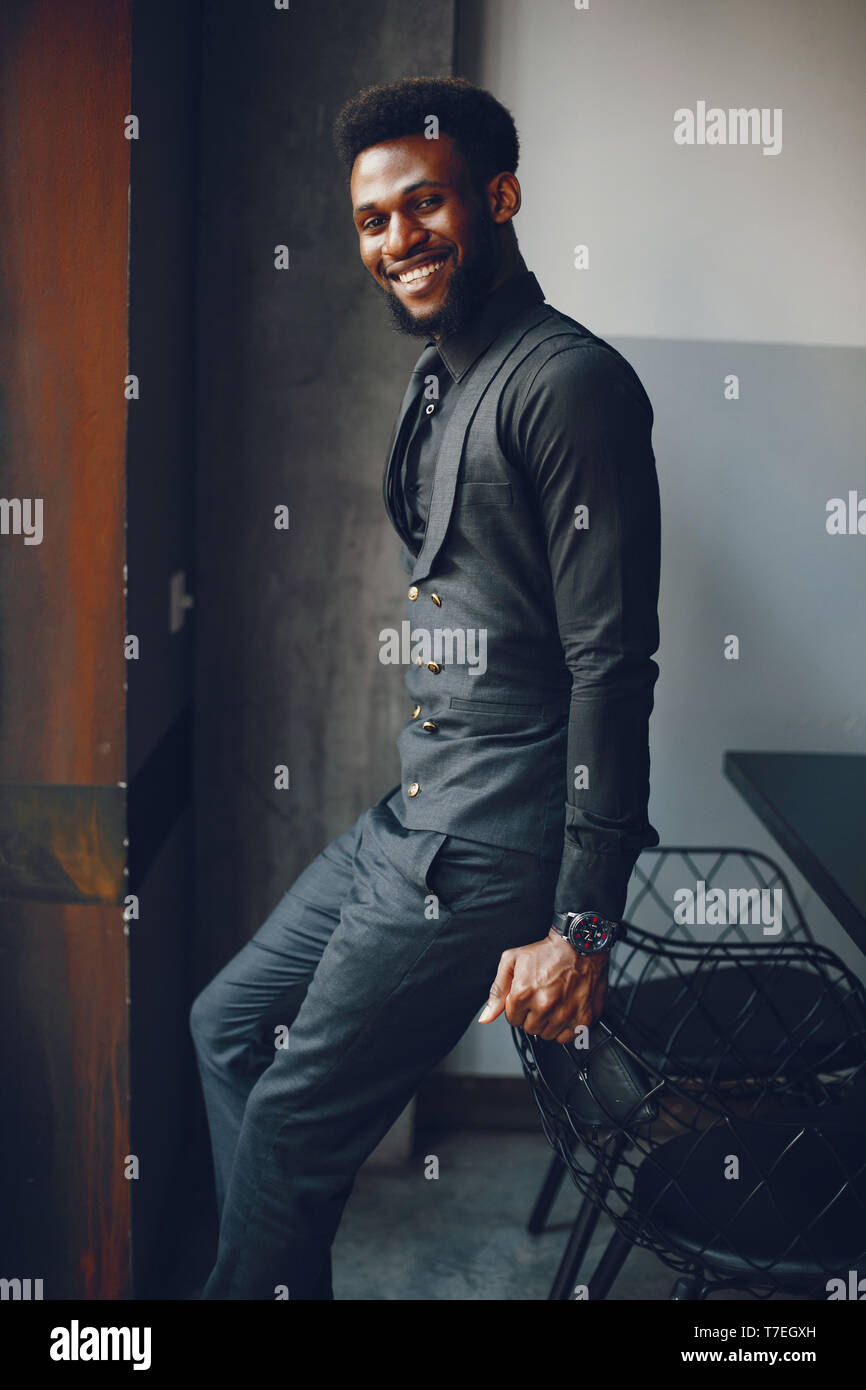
(429, 726)
(414, 788)
(416, 711)
(413, 592)
(419, 662)
(434, 667)
(437, 600)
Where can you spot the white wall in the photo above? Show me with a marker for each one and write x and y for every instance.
(704, 242)
(706, 261)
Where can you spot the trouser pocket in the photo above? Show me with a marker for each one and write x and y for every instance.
(463, 873)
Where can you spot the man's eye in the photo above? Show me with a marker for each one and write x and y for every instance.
(373, 222)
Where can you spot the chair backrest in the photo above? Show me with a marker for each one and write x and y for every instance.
(712, 894)
(780, 1015)
(776, 1200)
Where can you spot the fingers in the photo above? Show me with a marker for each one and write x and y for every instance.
(531, 1009)
(499, 989)
(541, 1011)
(544, 1021)
(550, 1029)
(554, 1032)
(560, 1025)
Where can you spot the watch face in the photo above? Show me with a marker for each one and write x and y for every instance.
(589, 934)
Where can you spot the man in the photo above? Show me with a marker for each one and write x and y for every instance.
(521, 480)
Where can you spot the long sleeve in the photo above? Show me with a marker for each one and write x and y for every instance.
(583, 428)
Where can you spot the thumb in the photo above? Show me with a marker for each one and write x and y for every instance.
(499, 989)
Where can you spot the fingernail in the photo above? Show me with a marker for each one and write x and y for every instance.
(484, 1012)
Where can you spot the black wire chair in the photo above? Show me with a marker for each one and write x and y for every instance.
(645, 989)
(663, 871)
(731, 1183)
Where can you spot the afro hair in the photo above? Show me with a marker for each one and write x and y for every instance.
(481, 127)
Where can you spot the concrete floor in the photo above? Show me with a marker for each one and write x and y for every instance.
(457, 1238)
(462, 1236)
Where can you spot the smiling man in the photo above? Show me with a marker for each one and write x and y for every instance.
(521, 482)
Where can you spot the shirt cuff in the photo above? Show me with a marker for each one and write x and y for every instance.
(593, 881)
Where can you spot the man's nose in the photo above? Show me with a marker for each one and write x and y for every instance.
(404, 237)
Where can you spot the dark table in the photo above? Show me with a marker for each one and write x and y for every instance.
(814, 806)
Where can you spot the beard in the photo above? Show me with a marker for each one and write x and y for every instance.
(467, 289)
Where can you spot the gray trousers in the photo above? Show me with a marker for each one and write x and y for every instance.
(370, 969)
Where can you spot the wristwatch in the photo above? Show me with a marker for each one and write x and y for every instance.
(588, 932)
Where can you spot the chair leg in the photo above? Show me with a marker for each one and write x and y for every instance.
(574, 1252)
(584, 1227)
(547, 1196)
(549, 1190)
(609, 1266)
(689, 1288)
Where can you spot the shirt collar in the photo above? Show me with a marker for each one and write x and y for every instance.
(459, 351)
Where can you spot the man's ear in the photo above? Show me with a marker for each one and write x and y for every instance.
(503, 192)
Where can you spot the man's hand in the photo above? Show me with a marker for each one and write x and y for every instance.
(547, 989)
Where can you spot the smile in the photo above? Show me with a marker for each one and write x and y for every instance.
(421, 275)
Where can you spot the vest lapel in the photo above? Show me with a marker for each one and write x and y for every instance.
(395, 450)
(451, 450)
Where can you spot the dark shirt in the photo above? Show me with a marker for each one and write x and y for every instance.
(586, 415)
(447, 362)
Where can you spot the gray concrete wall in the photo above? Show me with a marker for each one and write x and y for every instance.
(704, 261)
(300, 380)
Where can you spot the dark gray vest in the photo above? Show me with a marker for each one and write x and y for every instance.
(483, 753)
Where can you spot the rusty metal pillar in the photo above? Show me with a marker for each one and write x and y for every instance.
(64, 1015)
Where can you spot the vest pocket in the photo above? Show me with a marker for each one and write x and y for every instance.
(473, 494)
(494, 707)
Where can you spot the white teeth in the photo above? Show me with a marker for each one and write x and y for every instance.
(419, 272)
